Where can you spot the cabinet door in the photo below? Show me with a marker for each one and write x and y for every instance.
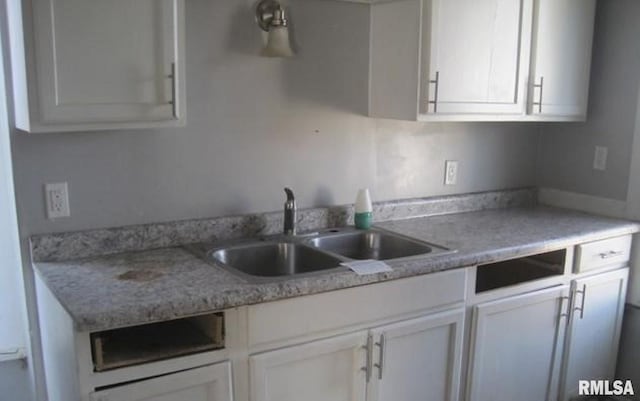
(477, 54)
(209, 383)
(594, 329)
(517, 346)
(561, 57)
(324, 370)
(105, 62)
(418, 359)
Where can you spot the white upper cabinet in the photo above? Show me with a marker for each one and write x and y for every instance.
(480, 60)
(92, 65)
(561, 58)
(475, 56)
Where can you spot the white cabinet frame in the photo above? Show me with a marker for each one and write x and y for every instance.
(387, 337)
(215, 380)
(46, 102)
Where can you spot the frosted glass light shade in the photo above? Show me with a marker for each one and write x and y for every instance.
(278, 43)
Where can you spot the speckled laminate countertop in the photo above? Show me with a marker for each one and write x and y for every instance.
(139, 287)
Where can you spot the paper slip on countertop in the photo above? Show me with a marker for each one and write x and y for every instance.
(363, 267)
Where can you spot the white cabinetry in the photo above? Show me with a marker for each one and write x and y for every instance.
(536, 329)
(516, 347)
(561, 58)
(90, 65)
(594, 329)
(418, 359)
(209, 383)
(394, 341)
(413, 359)
(476, 56)
(480, 60)
(329, 369)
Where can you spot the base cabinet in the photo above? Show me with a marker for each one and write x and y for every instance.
(529, 341)
(418, 359)
(594, 329)
(209, 383)
(516, 347)
(330, 369)
(405, 361)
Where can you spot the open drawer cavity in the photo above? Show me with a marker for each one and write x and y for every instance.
(517, 271)
(135, 345)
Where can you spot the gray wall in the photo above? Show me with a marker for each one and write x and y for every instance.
(628, 360)
(257, 124)
(566, 150)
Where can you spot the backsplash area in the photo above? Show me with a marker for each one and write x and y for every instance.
(56, 247)
(255, 125)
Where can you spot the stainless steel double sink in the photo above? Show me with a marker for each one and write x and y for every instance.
(282, 256)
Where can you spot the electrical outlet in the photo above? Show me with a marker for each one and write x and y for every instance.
(57, 198)
(450, 172)
(600, 158)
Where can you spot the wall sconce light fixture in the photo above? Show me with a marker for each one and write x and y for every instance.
(271, 18)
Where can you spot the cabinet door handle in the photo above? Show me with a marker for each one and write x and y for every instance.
(584, 295)
(172, 102)
(380, 364)
(436, 88)
(610, 254)
(539, 102)
(567, 310)
(369, 357)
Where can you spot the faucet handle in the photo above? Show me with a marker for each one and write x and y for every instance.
(290, 197)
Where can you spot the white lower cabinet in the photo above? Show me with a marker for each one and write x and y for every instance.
(332, 369)
(517, 345)
(594, 329)
(209, 383)
(417, 359)
(531, 339)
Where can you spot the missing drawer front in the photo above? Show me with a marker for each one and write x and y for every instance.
(516, 271)
(129, 346)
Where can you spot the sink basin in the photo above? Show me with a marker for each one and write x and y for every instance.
(272, 259)
(372, 244)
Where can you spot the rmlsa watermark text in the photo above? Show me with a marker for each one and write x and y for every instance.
(605, 387)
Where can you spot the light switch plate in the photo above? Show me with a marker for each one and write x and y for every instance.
(600, 158)
(57, 199)
(450, 172)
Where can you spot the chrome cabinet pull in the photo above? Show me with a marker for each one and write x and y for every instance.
(584, 295)
(434, 102)
(172, 102)
(541, 86)
(610, 254)
(369, 348)
(380, 364)
(567, 310)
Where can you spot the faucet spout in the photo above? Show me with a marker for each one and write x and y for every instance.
(289, 213)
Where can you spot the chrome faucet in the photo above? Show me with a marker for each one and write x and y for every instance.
(289, 213)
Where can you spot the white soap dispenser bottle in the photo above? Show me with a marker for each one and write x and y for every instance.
(363, 210)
